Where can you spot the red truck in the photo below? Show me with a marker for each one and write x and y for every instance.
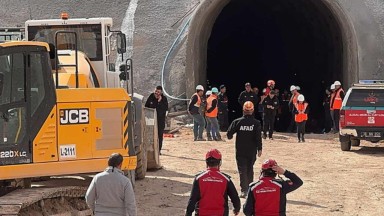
(362, 114)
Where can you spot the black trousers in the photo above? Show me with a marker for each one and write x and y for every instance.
(160, 131)
(327, 121)
(268, 124)
(336, 119)
(301, 129)
(223, 121)
(245, 168)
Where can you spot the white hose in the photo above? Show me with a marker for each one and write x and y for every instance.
(166, 60)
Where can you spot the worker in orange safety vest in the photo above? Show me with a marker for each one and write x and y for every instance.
(211, 114)
(336, 103)
(301, 116)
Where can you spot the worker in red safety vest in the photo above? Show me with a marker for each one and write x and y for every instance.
(336, 104)
(268, 196)
(210, 190)
(211, 114)
(301, 116)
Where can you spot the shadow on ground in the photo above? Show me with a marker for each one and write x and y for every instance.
(294, 202)
(370, 150)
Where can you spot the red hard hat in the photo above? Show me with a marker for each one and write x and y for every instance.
(270, 82)
(268, 164)
(213, 153)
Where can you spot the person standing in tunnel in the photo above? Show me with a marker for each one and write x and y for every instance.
(208, 127)
(285, 114)
(248, 144)
(270, 86)
(330, 107)
(194, 110)
(301, 116)
(211, 114)
(336, 104)
(327, 111)
(292, 102)
(223, 109)
(271, 103)
(158, 101)
(248, 95)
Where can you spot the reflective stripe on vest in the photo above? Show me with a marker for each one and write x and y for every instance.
(198, 103)
(337, 100)
(214, 112)
(301, 116)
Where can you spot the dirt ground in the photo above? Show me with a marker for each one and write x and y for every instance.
(335, 182)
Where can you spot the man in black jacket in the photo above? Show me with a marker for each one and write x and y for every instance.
(159, 102)
(223, 109)
(271, 103)
(248, 144)
(248, 95)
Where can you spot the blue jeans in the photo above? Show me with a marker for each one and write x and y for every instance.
(208, 128)
(198, 125)
(214, 127)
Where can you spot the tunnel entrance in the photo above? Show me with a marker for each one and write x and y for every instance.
(294, 42)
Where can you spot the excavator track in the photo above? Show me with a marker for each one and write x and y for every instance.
(16, 201)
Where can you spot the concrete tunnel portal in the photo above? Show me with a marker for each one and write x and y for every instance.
(308, 43)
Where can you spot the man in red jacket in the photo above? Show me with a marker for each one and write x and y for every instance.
(210, 190)
(268, 196)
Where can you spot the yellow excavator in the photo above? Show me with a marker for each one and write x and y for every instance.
(63, 110)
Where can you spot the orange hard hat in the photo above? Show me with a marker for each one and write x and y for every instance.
(248, 106)
(270, 82)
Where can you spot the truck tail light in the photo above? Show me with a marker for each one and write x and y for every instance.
(342, 119)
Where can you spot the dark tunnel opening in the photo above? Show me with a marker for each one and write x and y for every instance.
(294, 42)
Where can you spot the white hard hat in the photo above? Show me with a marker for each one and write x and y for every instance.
(200, 87)
(292, 88)
(298, 88)
(208, 93)
(337, 83)
(301, 98)
(333, 87)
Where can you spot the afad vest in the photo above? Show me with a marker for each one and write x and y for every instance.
(337, 100)
(301, 116)
(212, 114)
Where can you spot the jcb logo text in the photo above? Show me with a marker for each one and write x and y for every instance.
(74, 116)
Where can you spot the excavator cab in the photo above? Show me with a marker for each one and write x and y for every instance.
(26, 96)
